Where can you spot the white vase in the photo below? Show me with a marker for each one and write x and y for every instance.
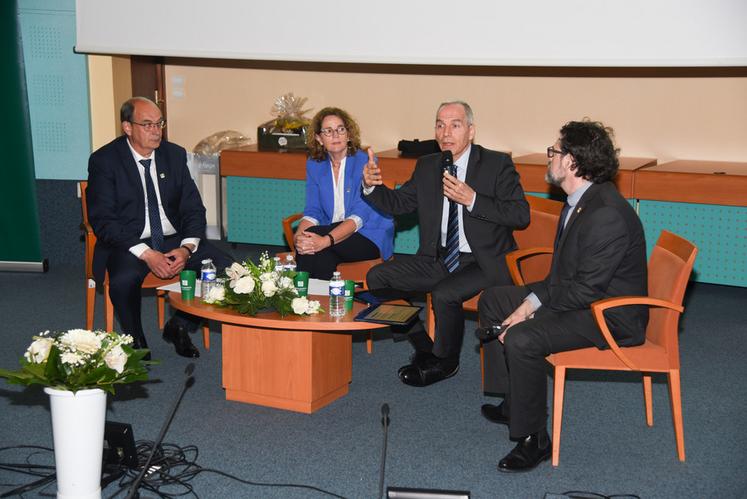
(78, 429)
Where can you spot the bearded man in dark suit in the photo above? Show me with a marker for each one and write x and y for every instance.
(600, 252)
(466, 219)
(147, 215)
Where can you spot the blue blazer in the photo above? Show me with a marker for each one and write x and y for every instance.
(320, 201)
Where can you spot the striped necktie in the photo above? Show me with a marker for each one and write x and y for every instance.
(154, 217)
(452, 233)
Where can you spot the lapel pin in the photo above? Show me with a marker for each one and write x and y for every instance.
(162, 175)
(578, 210)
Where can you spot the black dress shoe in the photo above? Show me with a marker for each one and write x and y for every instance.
(431, 371)
(417, 359)
(139, 344)
(528, 453)
(179, 336)
(420, 357)
(494, 413)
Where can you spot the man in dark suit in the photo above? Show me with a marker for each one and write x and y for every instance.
(600, 252)
(465, 220)
(147, 215)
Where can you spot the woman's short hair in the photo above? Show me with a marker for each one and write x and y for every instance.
(316, 150)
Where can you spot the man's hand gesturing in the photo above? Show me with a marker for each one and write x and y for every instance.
(372, 172)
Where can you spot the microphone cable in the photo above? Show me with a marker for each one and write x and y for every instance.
(187, 384)
(385, 424)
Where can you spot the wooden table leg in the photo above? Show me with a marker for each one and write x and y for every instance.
(295, 370)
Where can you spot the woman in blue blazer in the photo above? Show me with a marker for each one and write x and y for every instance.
(338, 224)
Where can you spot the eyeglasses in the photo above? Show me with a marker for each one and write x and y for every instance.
(328, 132)
(552, 152)
(150, 126)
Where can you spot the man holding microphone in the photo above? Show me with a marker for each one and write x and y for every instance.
(466, 219)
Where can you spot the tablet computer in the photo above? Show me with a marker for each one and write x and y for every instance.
(389, 313)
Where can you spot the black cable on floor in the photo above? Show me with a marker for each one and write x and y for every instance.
(174, 467)
(172, 470)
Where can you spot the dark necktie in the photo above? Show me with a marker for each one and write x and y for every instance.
(154, 217)
(452, 235)
(561, 223)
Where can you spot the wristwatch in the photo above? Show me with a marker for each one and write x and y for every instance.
(189, 251)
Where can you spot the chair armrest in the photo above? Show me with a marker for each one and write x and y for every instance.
(598, 308)
(513, 258)
(288, 229)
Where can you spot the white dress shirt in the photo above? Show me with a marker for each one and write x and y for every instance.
(168, 227)
(461, 166)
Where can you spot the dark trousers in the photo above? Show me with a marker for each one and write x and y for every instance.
(517, 367)
(448, 291)
(126, 275)
(353, 249)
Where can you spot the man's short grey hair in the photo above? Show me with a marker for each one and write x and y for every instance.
(467, 110)
(128, 108)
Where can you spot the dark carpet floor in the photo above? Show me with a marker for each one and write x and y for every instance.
(437, 437)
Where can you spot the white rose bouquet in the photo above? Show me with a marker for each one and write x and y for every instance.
(80, 359)
(251, 287)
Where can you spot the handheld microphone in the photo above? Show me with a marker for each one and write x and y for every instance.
(187, 384)
(447, 162)
(385, 424)
(488, 333)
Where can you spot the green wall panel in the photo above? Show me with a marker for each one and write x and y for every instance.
(57, 81)
(719, 232)
(256, 207)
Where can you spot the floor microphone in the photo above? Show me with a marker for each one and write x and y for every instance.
(187, 384)
(385, 424)
(409, 493)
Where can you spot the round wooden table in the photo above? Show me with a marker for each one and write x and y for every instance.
(297, 362)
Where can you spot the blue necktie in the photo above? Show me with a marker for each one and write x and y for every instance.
(561, 223)
(156, 230)
(452, 234)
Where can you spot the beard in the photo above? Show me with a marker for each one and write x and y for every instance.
(552, 180)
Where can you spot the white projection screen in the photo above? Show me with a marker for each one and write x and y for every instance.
(569, 33)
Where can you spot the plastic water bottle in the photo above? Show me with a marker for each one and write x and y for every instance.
(207, 276)
(290, 263)
(336, 296)
(278, 267)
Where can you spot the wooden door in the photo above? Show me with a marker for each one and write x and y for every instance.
(148, 80)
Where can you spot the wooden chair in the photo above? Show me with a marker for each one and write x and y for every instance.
(669, 269)
(150, 282)
(355, 271)
(531, 262)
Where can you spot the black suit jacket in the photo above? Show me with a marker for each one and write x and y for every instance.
(116, 200)
(500, 206)
(602, 253)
